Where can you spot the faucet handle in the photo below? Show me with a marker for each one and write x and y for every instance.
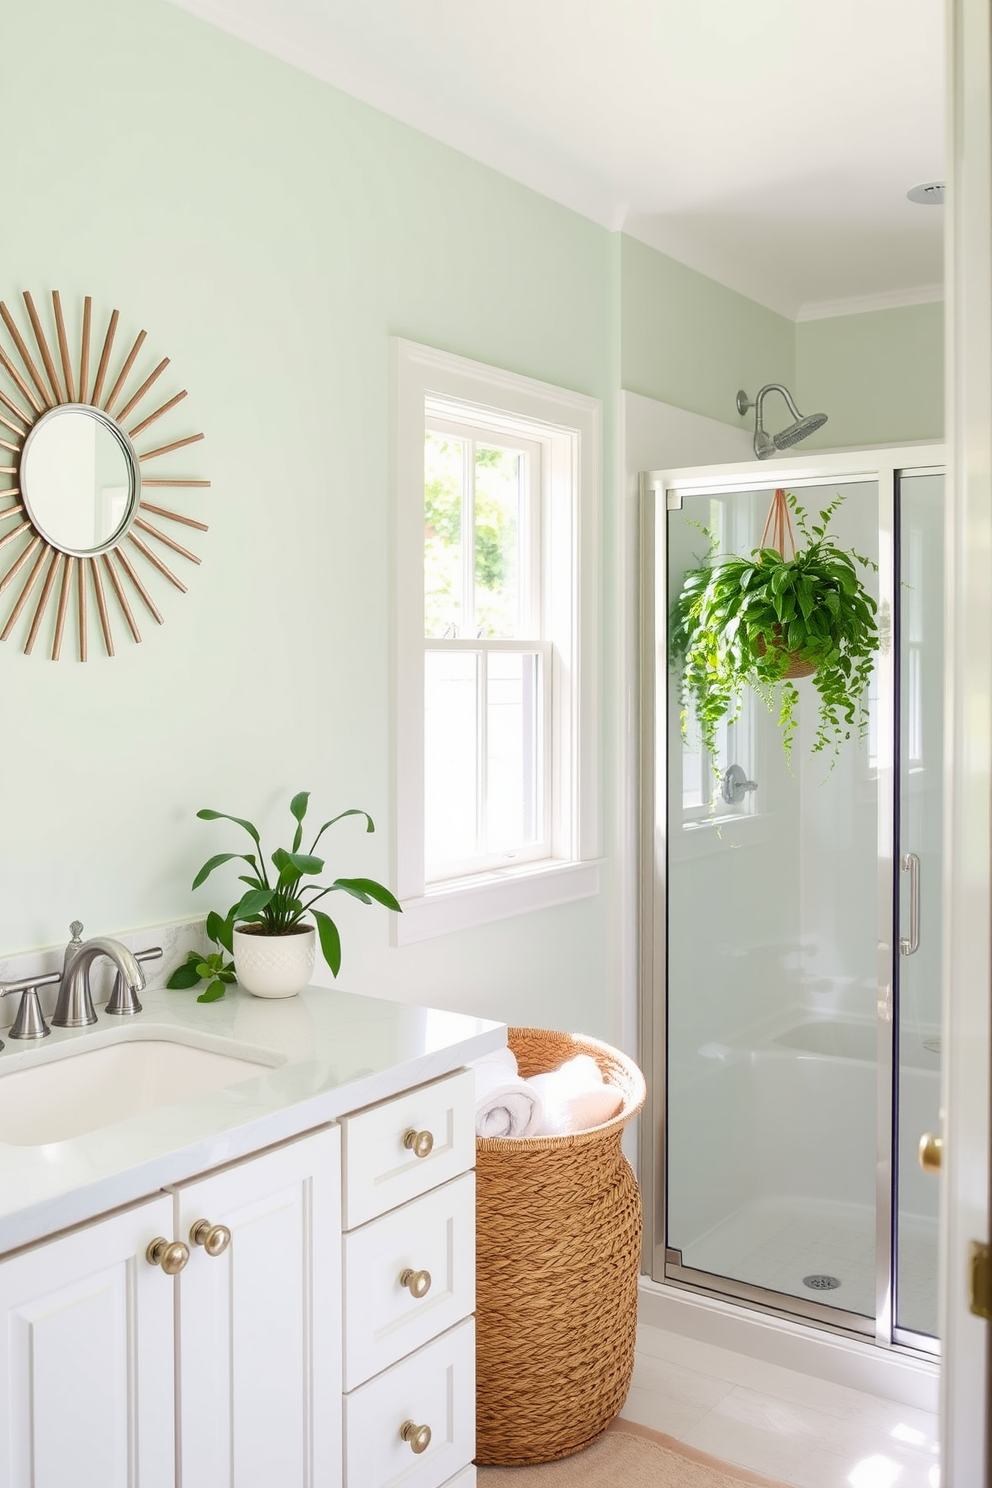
(76, 931)
(30, 1021)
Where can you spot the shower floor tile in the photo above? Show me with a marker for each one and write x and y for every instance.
(775, 1243)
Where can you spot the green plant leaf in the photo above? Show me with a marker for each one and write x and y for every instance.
(213, 993)
(352, 811)
(251, 904)
(298, 807)
(211, 864)
(184, 976)
(215, 928)
(207, 815)
(291, 865)
(346, 887)
(367, 888)
(330, 940)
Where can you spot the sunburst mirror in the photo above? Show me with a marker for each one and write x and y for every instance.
(74, 485)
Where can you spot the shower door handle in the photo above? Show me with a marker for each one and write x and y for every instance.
(910, 863)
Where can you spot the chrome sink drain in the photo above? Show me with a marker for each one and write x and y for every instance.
(821, 1283)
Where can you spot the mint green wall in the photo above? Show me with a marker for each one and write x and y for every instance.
(879, 375)
(270, 234)
(691, 342)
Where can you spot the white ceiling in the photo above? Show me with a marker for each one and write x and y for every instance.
(767, 143)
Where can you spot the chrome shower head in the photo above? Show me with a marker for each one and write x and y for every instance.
(801, 429)
(766, 444)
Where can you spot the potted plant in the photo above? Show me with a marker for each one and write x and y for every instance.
(764, 621)
(271, 930)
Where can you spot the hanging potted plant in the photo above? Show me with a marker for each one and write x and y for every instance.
(765, 621)
(272, 929)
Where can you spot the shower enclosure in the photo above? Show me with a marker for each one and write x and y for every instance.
(791, 946)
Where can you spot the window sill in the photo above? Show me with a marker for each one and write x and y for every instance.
(704, 837)
(463, 903)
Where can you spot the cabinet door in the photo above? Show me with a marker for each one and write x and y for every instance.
(259, 1325)
(87, 1358)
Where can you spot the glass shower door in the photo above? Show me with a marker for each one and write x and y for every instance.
(772, 976)
(920, 766)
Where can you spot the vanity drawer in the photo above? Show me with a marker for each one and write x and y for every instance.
(434, 1387)
(380, 1172)
(384, 1319)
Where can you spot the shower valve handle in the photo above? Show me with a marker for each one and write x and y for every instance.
(735, 786)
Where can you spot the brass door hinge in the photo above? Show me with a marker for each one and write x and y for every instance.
(980, 1280)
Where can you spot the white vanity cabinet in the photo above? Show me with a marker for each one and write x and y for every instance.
(329, 1343)
(87, 1358)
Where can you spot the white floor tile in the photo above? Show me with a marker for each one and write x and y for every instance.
(674, 1397)
(803, 1431)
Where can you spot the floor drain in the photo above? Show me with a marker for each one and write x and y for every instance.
(821, 1283)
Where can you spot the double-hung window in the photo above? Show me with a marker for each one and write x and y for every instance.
(487, 664)
(496, 524)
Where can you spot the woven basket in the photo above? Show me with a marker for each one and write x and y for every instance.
(557, 1260)
(796, 668)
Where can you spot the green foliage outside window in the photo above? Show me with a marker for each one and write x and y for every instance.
(495, 539)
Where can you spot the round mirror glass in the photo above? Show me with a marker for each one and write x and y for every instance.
(79, 479)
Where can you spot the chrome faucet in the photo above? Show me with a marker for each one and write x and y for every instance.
(75, 1005)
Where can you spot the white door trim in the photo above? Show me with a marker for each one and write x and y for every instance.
(968, 722)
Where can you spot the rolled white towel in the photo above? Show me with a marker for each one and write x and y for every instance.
(575, 1097)
(505, 1105)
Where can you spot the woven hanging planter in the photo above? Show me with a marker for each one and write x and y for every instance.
(778, 534)
(558, 1244)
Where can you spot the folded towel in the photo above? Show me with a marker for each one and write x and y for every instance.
(505, 1105)
(575, 1097)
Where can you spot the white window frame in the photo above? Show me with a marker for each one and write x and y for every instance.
(568, 426)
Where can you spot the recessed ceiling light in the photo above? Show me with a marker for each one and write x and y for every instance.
(930, 194)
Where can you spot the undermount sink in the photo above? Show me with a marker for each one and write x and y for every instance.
(79, 1092)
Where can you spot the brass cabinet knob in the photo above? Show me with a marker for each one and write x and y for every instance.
(171, 1255)
(419, 1437)
(421, 1143)
(418, 1283)
(930, 1153)
(214, 1238)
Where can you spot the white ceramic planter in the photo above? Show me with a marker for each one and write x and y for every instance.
(274, 965)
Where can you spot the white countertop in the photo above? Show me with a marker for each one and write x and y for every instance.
(325, 1053)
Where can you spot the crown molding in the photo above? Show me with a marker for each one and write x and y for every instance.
(898, 299)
